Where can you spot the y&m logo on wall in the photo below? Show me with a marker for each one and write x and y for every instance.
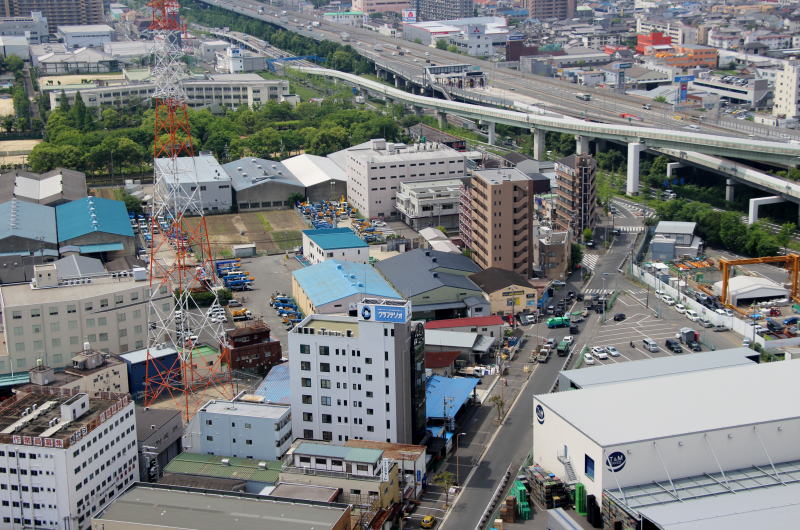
(615, 461)
(539, 414)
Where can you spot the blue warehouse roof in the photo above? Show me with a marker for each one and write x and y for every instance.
(334, 280)
(446, 395)
(92, 214)
(27, 220)
(334, 238)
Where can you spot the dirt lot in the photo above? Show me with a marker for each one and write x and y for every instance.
(16, 151)
(6, 107)
(271, 231)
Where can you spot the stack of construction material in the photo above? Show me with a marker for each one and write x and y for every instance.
(547, 490)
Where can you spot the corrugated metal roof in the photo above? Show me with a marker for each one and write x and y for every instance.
(335, 238)
(192, 170)
(251, 172)
(350, 454)
(92, 214)
(312, 169)
(417, 272)
(334, 280)
(139, 356)
(28, 220)
(236, 468)
(446, 338)
(456, 389)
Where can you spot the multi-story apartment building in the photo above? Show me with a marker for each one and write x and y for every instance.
(49, 319)
(376, 168)
(380, 6)
(443, 9)
(33, 27)
(552, 252)
(58, 12)
(544, 9)
(359, 377)
(429, 203)
(244, 427)
(222, 90)
(787, 91)
(496, 219)
(576, 193)
(677, 31)
(64, 456)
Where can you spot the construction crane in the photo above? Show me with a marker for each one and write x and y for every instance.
(181, 262)
(791, 263)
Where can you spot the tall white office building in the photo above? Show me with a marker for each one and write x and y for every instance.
(64, 456)
(359, 377)
(787, 91)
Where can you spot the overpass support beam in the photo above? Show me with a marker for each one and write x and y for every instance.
(396, 82)
(492, 135)
(419, 111)
(600, 145)
(756, 203)
(729, 190)
(538, 143)
(671, 167)
(582, 145)
(634, 149)
(442, 117)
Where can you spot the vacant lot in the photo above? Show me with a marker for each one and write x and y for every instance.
(6, 107)
(16, 151)
(271, 231)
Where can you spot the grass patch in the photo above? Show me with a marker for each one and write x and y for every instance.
(287, 239)
(266, 74)
(265, 223)
(224, 253)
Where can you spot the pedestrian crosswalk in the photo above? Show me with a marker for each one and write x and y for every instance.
(600, 292)
(629, 228)
(589, 261)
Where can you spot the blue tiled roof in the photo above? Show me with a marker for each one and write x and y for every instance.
(276, 387)
(27, 220)
(75, 218)
(334, 280)
(456, 389)
(333, 238)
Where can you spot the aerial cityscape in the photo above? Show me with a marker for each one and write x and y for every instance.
(387, 264)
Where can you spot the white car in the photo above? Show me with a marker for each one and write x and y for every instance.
(720, 311)
(680, 308)
(728, 312)
(667, 299)
(218, 319)
(692, 315)
(558, 283)
(568, 339)
(659, 293)
(599, 352)
(612, 351)
(588, 359)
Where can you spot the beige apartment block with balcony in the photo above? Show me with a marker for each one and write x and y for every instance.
(496, 219)
(576, 194)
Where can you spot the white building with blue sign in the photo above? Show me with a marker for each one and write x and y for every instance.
(359, 377)
(654, 441)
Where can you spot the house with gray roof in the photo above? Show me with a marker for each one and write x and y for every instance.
(27, 228)
(260, 184)
(437, 283)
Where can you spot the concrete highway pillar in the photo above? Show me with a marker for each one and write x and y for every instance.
(752, 216)
(418, 111)
(729, 190)
(442, 117)
(538, 143)
(671, 167)
(634, 149)
(492, 135)
(582, 145)
(600, 145)
(397, 82)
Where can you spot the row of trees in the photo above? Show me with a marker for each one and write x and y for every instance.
(726, 229)
(78, 137)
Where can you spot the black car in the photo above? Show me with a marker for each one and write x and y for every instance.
(619, 317)
(579, 297)
(694, 346)
(574, 330)
(674, 346)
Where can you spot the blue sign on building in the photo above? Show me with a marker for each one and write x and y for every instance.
(684, 78)
(387, 313)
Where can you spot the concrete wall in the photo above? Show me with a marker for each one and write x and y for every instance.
(269, 195)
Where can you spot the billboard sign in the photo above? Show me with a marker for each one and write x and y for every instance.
(684, 91)
(684, 78)
(623, 66)
(384, 313)
(409, 15)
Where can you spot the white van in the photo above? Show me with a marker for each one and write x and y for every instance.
(650, 345)
(692, 315)
(667, 299)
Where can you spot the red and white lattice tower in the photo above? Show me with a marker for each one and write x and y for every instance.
(181, 262)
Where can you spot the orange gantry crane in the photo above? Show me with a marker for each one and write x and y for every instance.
(791, 263)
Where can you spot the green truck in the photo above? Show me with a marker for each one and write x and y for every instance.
(563, 348)
(558, 322)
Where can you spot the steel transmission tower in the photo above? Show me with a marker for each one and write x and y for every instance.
(181, 262)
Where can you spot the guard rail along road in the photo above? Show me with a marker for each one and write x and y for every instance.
(747, 148)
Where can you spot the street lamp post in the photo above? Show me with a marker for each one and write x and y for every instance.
(459, 435)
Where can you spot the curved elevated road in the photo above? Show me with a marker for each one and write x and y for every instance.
(746, 148)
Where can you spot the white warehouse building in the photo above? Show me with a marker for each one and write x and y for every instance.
(650, 442)
(203, 171)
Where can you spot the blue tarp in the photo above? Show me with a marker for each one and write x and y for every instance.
(457, 390)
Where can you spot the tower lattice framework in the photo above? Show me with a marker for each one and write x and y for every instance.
(181, 262)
